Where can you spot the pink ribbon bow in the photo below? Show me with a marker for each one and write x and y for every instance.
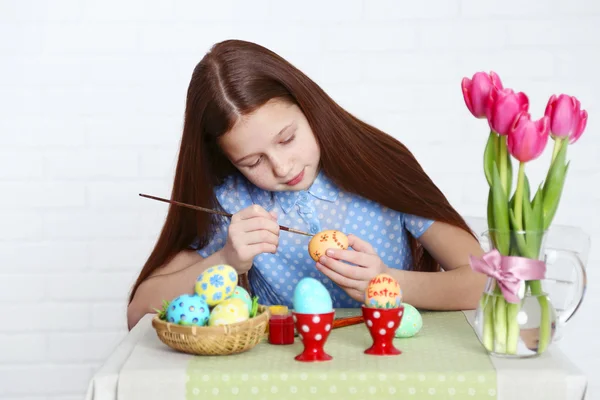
(508, 271)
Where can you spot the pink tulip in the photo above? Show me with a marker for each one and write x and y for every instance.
(526, 138)
(504, 105)
(566, 117)
(477, 90)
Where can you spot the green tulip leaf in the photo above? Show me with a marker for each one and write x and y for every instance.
(537, 211)
(511, 202)
(535, 224)
(500, 207)
(527, 189)
(509, 172)
(490, 209)
(520, 239)
(488, 156)
(527, 207)
(553, 185)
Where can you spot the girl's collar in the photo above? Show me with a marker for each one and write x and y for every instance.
(322, 188)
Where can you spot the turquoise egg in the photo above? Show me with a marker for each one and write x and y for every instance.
(411, 323)
(311, 297)
(188, 309)
(242, 294)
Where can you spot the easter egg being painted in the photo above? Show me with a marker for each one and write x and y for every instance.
(411, 323)
(228, 312)
(217, 283)
(383, 291)
(311, 297)
(324, 240)
(188, 309)
(242, 294)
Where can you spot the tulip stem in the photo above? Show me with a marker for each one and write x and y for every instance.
(487, 303)
(512, 310)
(558, 142)
(502, 161)
(500, 322)
(519, 196)
(545, 333)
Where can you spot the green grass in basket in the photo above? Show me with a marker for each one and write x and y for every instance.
(254, 309)
(162, 313)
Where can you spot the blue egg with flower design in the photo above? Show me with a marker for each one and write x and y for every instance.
(216, 283)
(188, 309)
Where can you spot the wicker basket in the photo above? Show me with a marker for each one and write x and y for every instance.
(214, 340)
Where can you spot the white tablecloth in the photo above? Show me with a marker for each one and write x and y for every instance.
(550, 376)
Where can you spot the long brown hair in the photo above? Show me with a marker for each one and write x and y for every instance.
(236, 77)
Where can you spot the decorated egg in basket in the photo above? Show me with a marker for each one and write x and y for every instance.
(242, 294)
(188, 309)
(217, 283)
(229, 311)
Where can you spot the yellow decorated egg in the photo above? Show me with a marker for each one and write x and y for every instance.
(383, 291)
(324, 240)
(228, 311)
(216, 284)
(241, 293)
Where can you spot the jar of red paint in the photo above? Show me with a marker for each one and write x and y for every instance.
(281, 328)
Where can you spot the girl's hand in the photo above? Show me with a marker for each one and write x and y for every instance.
(252, 231)
(354, 279)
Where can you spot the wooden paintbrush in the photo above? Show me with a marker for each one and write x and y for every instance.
(343, 322)
(208, 210)
(347, 321)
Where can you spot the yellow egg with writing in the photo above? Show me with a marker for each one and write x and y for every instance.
(330, 239)
(383, 291)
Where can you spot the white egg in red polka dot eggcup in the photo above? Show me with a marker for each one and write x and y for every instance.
(382, 313)
(313, 317)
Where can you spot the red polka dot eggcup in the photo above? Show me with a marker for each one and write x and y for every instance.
(313, 330)
(382, 324)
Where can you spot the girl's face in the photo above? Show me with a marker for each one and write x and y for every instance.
(274, 147)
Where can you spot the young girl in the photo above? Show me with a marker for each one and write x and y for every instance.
(264, 142)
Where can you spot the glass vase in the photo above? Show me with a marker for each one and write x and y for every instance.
(526, 327)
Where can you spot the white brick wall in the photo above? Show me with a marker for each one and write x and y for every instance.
(91, 103)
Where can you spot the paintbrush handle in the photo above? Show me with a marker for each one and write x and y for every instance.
(347, 321)
(342, 322)
(208, 210)
(211, 211)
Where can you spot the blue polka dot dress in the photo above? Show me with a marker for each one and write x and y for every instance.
(323, 206)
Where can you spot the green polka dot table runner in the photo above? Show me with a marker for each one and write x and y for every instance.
(445, 360)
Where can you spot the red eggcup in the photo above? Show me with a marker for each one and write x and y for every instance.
(382, 324)
(313, 330)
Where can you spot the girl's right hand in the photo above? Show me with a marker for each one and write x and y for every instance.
(252, 231)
